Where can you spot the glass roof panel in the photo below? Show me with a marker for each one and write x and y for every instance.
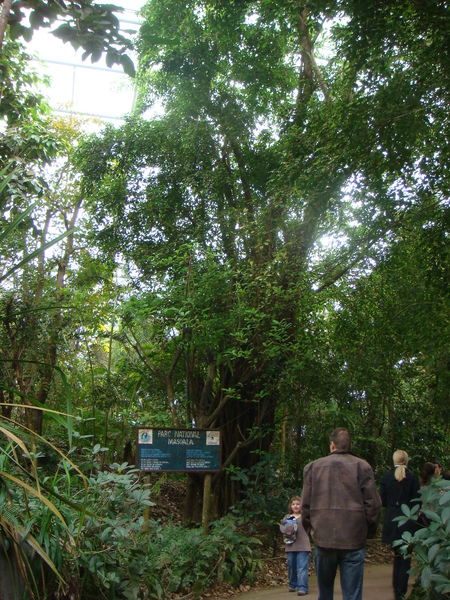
(83, 87)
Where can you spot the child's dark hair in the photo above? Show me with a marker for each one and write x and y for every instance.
(292, 500)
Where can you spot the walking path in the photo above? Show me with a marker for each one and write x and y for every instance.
(377, 586)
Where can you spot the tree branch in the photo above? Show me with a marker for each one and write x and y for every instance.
(308, 51)
(208, 384)
(167, 381)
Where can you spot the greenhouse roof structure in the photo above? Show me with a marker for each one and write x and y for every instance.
(81, 87)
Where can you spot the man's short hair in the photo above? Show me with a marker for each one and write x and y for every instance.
(341, 438)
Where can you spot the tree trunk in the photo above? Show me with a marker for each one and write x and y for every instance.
(6, 9)
(193, 502)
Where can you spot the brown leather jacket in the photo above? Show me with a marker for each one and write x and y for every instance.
(341, 506)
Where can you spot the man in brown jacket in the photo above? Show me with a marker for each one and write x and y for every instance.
(341, 508)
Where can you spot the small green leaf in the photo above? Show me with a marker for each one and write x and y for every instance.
(445, 498)
(445, 516)
(407, 536)
(426, 577)
(406, 510)
(433, 551)
(128, 66)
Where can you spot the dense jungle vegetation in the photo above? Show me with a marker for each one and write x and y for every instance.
(262, 248)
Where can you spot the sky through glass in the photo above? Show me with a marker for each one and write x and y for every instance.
(82, 87)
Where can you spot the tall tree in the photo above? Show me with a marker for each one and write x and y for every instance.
(263, 147)
(392, 335)
(31, 317)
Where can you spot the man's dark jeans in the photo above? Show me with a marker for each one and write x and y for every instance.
(351, 566)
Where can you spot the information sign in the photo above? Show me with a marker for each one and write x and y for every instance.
(161, 449)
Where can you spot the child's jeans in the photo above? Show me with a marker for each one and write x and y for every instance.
(297, 563)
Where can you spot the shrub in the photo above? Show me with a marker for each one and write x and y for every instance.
(97, 538)
(265, 495)
(127, 558)
(184, 559)
(430, 545)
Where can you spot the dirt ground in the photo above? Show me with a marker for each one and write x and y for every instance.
(272, 581)
(377, 586)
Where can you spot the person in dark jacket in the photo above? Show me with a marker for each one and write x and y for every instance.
(340, 510)
(398, 487)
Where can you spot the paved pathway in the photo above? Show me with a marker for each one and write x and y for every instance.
(377, 586)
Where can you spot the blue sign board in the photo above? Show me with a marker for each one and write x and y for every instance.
(161, 449)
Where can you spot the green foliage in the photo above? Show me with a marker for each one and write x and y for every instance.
(240, 313)
(38, 519)
(187, 559)
(390, 330)
(198, 181)
(430, 546)
(265, 495)
(19, 97)
(109, 555)
(221, 204)
(36, 512)
(123, 554)
(85, 24)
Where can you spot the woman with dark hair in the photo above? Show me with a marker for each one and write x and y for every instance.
(439, 468)
(429, 470)
(398, 487)
(440, 472)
